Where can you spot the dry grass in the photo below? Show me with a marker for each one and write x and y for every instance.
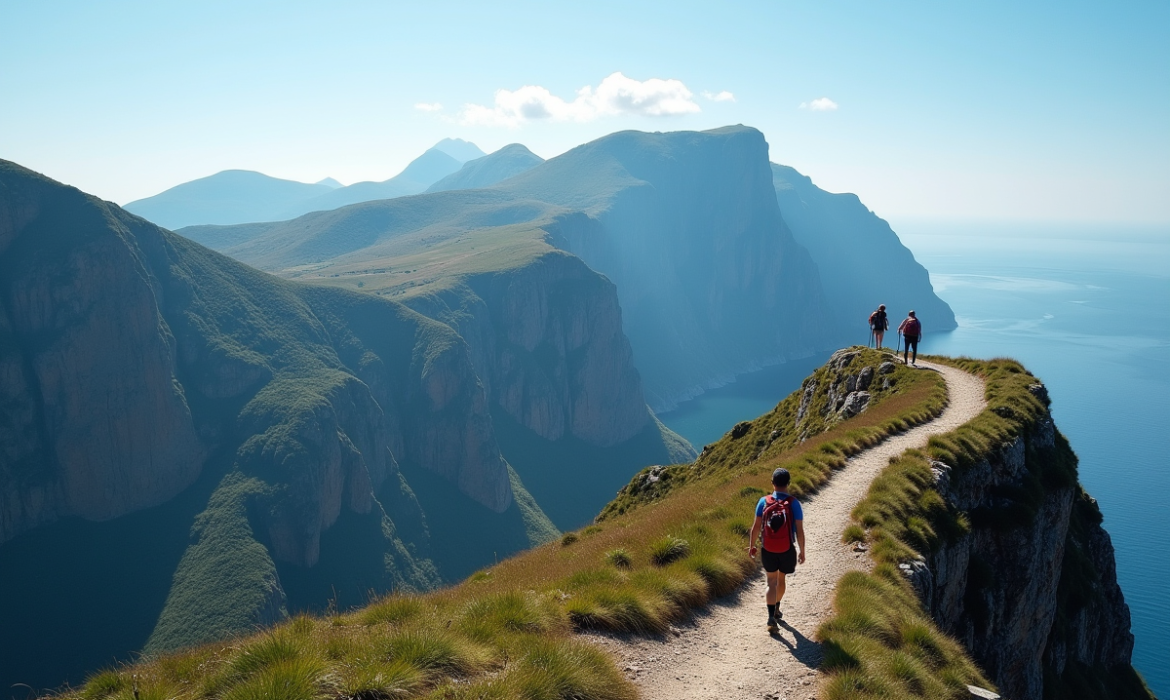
(506, 631)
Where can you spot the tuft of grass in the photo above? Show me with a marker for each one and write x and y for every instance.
(667, 549)
(434, 652)
(511, 612)
(619, 557)
(391, 610)
(567, 669)
(853, 533)
(287, 679)
(569, 538)
(376, 680)
(103, 684)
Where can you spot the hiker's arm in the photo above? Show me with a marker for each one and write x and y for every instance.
(800, 539)
(755, 533)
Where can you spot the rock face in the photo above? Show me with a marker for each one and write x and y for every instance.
(861, 261)
(711, 281)
(547, 341)
(97, 423)
(1031, 590)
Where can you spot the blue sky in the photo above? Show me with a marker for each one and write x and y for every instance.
(988, 110)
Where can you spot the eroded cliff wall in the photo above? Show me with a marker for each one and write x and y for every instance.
(710, 279)
(1031, 588)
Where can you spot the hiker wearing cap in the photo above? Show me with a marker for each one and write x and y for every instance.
(879, 324)
(780, 522)
(911, 331)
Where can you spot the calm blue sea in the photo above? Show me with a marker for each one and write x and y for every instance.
(1087, 309)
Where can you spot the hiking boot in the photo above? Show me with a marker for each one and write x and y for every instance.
(772, 626)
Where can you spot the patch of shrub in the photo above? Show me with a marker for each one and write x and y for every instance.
(667, 549)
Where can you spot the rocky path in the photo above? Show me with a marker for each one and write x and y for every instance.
(725, 652)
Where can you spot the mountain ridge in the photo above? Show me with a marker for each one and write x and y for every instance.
(243, 196)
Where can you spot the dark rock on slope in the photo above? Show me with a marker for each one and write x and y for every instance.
(861, 261)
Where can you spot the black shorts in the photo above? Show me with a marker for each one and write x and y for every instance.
(782, 561)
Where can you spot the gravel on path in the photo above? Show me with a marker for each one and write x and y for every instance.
(725, 651)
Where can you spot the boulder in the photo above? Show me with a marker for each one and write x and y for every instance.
(865, 378)
(740, 429)
(886, 367)
(856, 402)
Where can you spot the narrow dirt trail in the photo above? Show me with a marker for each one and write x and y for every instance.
(725, 651)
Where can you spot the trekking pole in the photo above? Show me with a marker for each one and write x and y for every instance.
(870, 345)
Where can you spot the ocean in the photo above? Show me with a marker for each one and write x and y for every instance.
(1086, 309)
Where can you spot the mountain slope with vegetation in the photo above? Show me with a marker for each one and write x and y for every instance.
(505, 632)
(686, 225)
(243, 446)
(672, 543)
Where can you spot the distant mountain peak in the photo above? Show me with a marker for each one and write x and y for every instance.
(330, 182)
(459, 149)
(510, 160)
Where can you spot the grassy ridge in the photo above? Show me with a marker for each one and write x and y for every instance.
(881, 642)
(506, 631)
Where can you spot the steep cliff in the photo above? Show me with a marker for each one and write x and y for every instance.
(236, 418)
(1031, 590)
(861, 261)
(686, 225)
(1004, 550)
(547, 339)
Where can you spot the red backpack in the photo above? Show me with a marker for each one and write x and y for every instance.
(777, 524)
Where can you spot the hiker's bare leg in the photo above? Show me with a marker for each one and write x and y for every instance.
(878, 335)
(776, 587)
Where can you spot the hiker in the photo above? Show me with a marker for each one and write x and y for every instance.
(879, 324)
(780, 520)
(911, 331)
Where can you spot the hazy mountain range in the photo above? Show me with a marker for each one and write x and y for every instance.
(242, 196)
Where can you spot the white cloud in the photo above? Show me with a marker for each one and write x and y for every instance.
(821, 104)
(722, 96)
(429, 107)
(617, 94)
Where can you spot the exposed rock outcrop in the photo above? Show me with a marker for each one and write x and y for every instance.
(548, 343)
(1032, 586)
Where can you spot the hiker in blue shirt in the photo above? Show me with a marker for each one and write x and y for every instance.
(780, 521)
